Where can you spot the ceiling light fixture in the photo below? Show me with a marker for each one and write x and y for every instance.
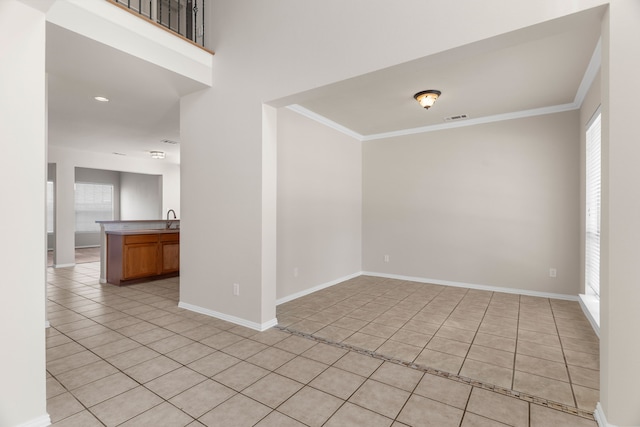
(157, 154)
(427, 98)
(101, 99)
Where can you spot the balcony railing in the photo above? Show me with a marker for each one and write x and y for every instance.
(184, 17)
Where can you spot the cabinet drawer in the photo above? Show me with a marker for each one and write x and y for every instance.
(140, 238)
(170, 237)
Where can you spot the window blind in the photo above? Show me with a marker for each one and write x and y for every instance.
(593, 197)
(93, 202)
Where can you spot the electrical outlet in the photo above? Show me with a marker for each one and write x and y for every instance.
(386, 258)
(236, 289)
(553, 272)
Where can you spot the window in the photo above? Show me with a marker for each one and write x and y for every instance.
(593, 193)
(50, 206)
(93, 202)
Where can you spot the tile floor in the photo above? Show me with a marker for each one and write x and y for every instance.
(129, 356)
(539, 346)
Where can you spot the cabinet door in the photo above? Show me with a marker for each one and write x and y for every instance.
(170, 257)
(140, 260)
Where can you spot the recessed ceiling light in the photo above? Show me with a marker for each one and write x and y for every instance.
(157, 154)
(101, 99)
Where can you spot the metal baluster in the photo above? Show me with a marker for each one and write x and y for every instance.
(202, 23)
(179, 2)
(195, 20)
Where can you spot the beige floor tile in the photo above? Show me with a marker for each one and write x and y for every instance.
(62, 406)
(190, 353)
(271, 358)
(56, 340)
(116, 347)
(421, 326)
(125, 406)
(495, 341)
(535, 385)
(68, 363)
(152, 369)
(492, 356)
(364, 341)
(506, 331)
(550, 340)
(541, 351)
(168, 344)
(444, 390)
(325, 353)
(495, 406)
(276, 419)
(353, 415)
(202, 398)
(358, 364)
(420, 411)
(440, 361)
(542, 367)
(301, 369)
(397, 376)
(201, 332)
(54, 388)
(103, 389)
(334, 333)
(380, 398)
(584, 377)
(449, 346)
(240, 376)
(399, 351)
(412, 338)
(244, 349)
(64, 350)
(214, 363)
(456, 334)
(544, 417)
(236, 412)
(473, 420)
(586, 398)
(311, 407)
(222, 340)
(337, 382)
(295, 344)
(488, 373)
(378, 330)
(132, 357)
(175, 382)
(272, 390)
(164, 414)
(101, 339)
(86, 374)
(583, 360)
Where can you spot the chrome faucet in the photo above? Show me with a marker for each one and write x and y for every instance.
(168, 220)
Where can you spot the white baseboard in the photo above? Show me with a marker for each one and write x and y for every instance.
(601, 419)
(316, 288)
(591, 307)
(42, 421)
(233, 319)
(73, 264)
(474, 286)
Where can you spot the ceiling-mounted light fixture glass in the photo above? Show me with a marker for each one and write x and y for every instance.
(101, 99)
(157, 154)
(427, 98)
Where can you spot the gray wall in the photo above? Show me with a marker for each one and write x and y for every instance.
(140, 196)
(494, 204)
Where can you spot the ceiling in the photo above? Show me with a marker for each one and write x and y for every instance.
(536, 67)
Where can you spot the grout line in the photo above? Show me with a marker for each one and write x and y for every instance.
(455, 377)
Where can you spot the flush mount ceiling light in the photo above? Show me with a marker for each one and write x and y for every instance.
(157, 154)
(427, 98)
(101, 99)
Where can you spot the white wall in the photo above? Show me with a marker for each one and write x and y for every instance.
(23, 168)
(319, 204)
(140, 196)
(67, 160)
(493, 204)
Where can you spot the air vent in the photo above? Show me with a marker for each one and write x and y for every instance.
(169, 141)
(119, 154)
(454, 118)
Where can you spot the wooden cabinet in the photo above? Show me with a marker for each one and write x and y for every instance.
(137, 256)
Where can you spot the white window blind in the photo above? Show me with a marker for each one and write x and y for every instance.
(93, 202)
(593, 196)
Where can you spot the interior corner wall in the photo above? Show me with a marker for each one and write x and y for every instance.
(23, 165)
(493, 204)
(141, 196)
(589, 106)
(319, 205)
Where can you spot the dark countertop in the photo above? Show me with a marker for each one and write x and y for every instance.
(144, 231)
